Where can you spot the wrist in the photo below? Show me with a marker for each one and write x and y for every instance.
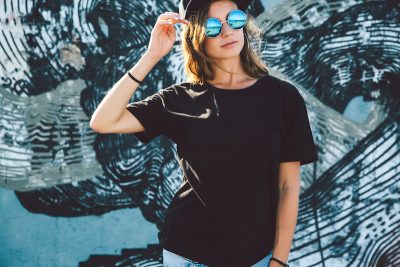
(151, 58)
(278, 261)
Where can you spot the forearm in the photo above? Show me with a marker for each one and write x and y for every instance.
(286, 220)
(114, 103)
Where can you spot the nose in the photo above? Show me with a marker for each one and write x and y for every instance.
(226, 30)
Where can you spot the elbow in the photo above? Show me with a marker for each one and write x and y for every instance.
(95, 127)
(293, 186)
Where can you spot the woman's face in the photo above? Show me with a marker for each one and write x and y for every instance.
(213, 46)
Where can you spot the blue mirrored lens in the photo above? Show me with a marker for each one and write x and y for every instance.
(213, 27)
(237, 19)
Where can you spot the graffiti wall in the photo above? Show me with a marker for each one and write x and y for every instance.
(72, 197)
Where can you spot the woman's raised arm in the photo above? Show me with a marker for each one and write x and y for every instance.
(111, 115)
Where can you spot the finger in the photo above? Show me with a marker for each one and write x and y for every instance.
(169, 12)
(166, 25)
(172, 21)
(169, 15)
(174, 17)
(166, 21)
(168, 28)
(163, 22)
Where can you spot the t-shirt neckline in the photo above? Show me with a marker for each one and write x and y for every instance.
(225, 90)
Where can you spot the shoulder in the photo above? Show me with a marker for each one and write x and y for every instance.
(179, 96)
(183, 91)
(288, 91)
(284, 85)
(176, 89)
(173, 91)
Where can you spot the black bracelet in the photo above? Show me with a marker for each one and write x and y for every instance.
(281, 262)
(133, 78)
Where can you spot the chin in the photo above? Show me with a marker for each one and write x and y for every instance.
(227, 56)
(227, 53)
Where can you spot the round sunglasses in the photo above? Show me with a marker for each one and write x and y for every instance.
(237, 19)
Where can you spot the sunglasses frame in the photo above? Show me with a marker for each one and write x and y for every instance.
(221, 23)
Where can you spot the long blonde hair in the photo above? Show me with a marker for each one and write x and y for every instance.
(198, 64)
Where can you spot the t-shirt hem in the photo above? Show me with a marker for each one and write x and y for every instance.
(260, 257)
(190, 258)
(214, 264)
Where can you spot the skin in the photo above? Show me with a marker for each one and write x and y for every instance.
(287, 212)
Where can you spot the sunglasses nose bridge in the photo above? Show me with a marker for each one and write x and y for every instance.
(226, 26)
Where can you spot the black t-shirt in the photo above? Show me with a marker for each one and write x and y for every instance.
(229, 144)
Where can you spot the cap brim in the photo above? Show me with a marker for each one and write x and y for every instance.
(194, 5)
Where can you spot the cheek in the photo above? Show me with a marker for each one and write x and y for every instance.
(210, 47)
(240, 37)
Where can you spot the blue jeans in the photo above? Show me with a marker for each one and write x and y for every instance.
(171, 259)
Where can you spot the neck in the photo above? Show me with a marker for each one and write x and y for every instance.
(228, 71)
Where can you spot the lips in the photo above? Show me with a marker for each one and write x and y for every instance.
(228, 43)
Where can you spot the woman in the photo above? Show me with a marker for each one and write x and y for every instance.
(241, 137)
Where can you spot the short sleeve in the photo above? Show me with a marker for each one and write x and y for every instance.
(298, 142)
(152, 114)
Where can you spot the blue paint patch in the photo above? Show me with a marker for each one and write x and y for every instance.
(36, 240)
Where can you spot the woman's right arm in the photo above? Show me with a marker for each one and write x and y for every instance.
(111, 116)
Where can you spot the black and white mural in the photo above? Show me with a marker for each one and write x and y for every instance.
(72, 197)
